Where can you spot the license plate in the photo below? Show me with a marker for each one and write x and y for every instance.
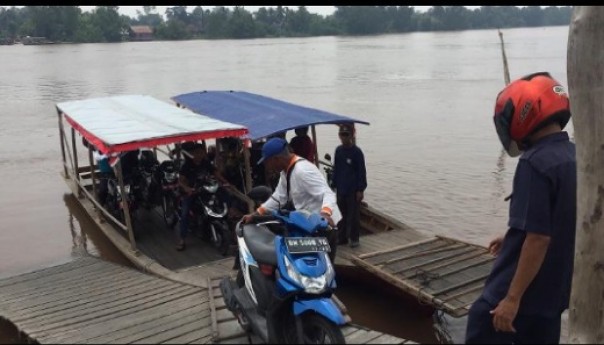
(298, 245)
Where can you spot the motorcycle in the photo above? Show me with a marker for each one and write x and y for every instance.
(328, 170)
(166, 177)
(114, 197)
(208, 214)
(149, 188)
(283, 288)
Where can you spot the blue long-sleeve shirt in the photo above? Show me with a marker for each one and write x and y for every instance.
(349, 174)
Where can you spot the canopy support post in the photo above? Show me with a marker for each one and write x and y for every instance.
(125, 208)
(75, 162)
(248, 169)
(93, 177)
(314, 145)
(61, 138)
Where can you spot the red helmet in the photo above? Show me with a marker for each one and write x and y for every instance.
(525, 106)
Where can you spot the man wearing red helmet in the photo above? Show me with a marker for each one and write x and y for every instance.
(529, 285)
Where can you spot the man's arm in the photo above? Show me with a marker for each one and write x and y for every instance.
(314, 183)
(184, 184)
(530, 211)
(362, 172)
(532, 256)
(280, 194)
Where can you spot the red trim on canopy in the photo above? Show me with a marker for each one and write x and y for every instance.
(107, 149)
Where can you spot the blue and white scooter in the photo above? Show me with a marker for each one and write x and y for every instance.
(285, 281)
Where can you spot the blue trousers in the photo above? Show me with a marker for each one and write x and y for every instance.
(530, 329)
(186, 203)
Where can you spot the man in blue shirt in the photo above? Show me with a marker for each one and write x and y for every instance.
(529, 285)
(350, 181)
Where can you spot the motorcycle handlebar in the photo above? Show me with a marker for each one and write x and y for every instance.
(260, 219)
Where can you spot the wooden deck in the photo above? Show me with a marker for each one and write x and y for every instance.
(375, 242)
(443, 272)
(94, 301)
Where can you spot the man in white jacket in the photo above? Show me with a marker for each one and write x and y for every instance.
(308, 189)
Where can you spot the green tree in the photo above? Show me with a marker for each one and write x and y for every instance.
(217, 22)
(108, 21)
(149, 17)
(241, 24)
(298, 22)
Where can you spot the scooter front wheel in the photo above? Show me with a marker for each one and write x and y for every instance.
(316, 329)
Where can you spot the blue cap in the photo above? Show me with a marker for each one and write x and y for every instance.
(272, 148)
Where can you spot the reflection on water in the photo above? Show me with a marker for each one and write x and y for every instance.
(87, 238)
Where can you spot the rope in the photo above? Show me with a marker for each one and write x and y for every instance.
(441, 327)
(425, 278)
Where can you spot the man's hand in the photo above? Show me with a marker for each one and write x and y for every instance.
(329, 219)
(495, 245)
(504, 314)
(360, 196)
(247, 218)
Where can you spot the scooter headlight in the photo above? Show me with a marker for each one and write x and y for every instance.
(311, 285)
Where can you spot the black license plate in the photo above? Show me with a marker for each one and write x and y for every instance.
(298, 245)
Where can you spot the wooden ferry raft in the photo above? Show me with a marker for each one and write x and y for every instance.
(446, 273)
(93, 301)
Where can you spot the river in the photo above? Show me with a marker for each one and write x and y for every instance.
(433, 157)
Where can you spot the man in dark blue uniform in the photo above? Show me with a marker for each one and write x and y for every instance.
(350, 181)
(529, 285)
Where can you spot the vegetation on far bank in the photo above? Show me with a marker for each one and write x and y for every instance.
(105, 24)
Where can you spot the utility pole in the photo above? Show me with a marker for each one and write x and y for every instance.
(585, 71)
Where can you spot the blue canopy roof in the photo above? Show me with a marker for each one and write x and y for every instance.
(263, 116)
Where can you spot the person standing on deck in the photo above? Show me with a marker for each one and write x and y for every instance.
(307, 190)
(529, 285)
(350, 181)
(302, 145)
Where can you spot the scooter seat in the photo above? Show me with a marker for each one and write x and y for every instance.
(261, 243)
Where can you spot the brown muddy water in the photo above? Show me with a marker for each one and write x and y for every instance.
(433, 158)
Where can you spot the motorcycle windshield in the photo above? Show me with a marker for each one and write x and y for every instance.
(305, 221)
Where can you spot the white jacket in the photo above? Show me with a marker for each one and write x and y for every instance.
(309, 191)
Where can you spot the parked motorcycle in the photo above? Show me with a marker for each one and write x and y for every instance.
(150, 194)
(285, 282)
(328, 168)
(208, 214)
(114, 197)
(166, 177)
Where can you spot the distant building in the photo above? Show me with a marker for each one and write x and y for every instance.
(141, 33)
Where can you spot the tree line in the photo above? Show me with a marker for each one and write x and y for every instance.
(105, 24)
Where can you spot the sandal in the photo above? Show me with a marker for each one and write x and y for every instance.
(180, 247)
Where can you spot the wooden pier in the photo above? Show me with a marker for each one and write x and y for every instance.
(91, 300)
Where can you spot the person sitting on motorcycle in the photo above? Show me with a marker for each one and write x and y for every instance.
(308, 189)
(192, 169)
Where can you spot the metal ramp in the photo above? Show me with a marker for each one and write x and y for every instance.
(446, 273)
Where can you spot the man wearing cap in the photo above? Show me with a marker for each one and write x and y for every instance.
(350, 181)
(308, 189)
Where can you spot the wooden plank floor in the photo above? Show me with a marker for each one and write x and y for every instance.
(226, 329)
(376, 242)
(444, 272)
(93, 301)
